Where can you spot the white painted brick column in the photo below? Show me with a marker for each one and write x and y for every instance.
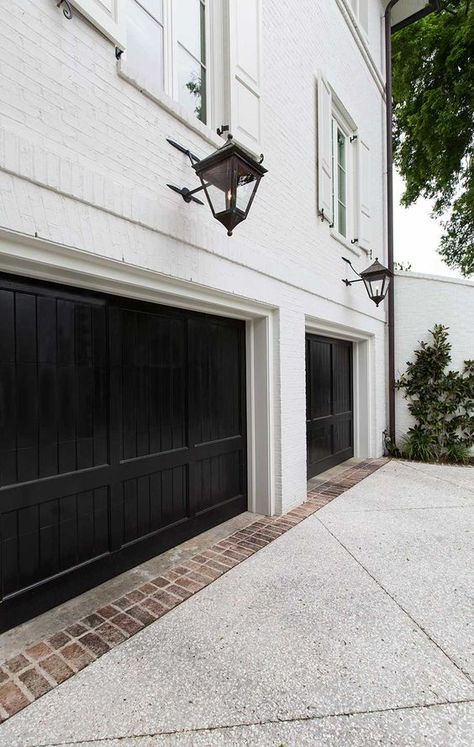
(290, 404)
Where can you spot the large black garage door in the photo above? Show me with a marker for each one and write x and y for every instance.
(122, 432)
(329, 415)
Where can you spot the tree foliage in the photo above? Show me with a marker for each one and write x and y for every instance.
(441, 401)
(433, 93)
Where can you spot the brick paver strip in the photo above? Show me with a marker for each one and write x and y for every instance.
(12, 699)
(35, 682)
(45, 664)
(57, 668)
(17, 663)
(76, 656)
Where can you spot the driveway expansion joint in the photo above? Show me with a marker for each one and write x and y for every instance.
(265, 722)
(419, 626)
(46, 664)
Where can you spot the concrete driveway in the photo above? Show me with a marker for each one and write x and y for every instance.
(354, 628)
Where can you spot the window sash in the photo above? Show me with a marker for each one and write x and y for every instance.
(181, 51)
(176, 51)
(340, 178)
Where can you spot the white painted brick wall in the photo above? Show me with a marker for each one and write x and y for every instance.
(84, 162)
(421, 301)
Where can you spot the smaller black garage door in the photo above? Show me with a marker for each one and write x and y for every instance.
(329, 410)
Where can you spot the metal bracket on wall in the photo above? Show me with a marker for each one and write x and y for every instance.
(118, 53)
(192, 157)
(186, 194)
(67, 10)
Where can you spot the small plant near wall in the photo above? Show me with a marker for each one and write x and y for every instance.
(442, 403)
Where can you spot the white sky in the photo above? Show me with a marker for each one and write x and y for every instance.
(416, 235)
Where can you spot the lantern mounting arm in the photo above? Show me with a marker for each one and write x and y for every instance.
(186, 194)
(351, 282)
(192, 157)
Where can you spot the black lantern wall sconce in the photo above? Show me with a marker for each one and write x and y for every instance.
(376, 279)
(229, 177)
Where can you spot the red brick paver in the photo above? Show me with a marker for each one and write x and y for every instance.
(45, 664)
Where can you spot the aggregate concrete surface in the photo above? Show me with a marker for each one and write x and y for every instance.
(353, 628)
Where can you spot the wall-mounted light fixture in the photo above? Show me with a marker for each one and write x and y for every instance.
(229, 177)
(376, 279)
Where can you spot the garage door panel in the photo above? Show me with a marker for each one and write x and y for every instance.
(152, 502)
(329, 420)
(216, 480)
(52, 408)
(342, 384)
(216, 380)
(153, 384)
(46, 539)
(320, 380)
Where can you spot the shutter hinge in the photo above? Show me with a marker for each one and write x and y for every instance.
(67, 10)
(118, 53)
(324, 217)
(352, 138)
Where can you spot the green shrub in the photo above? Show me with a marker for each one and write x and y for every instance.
(441, 402)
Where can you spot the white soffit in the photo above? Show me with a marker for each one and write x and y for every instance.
(406, 9)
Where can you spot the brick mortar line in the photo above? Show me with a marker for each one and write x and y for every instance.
(48, 662)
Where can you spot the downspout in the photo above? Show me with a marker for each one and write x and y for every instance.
(389, 151)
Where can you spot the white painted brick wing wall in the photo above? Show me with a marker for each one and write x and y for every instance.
(421, 301)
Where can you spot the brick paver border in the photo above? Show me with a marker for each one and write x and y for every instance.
(45, 664)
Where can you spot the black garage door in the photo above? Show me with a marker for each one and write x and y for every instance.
(122, 432)
(329, 415)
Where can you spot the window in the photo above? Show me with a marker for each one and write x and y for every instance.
(346, 181)
(339, 177)
(169, 41)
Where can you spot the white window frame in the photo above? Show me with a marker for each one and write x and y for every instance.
(340, 120)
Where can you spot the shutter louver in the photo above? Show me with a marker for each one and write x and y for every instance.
(365, 223)
(244, 38)
(325, 206)
(106, 15)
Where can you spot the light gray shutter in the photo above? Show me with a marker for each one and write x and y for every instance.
(106, 15)
(325, 150)
(365, 219)
(245, 72)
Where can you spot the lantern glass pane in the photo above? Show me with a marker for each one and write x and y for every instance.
(218, 183)
(247, 183)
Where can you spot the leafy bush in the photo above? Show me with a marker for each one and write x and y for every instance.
(441, 402)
